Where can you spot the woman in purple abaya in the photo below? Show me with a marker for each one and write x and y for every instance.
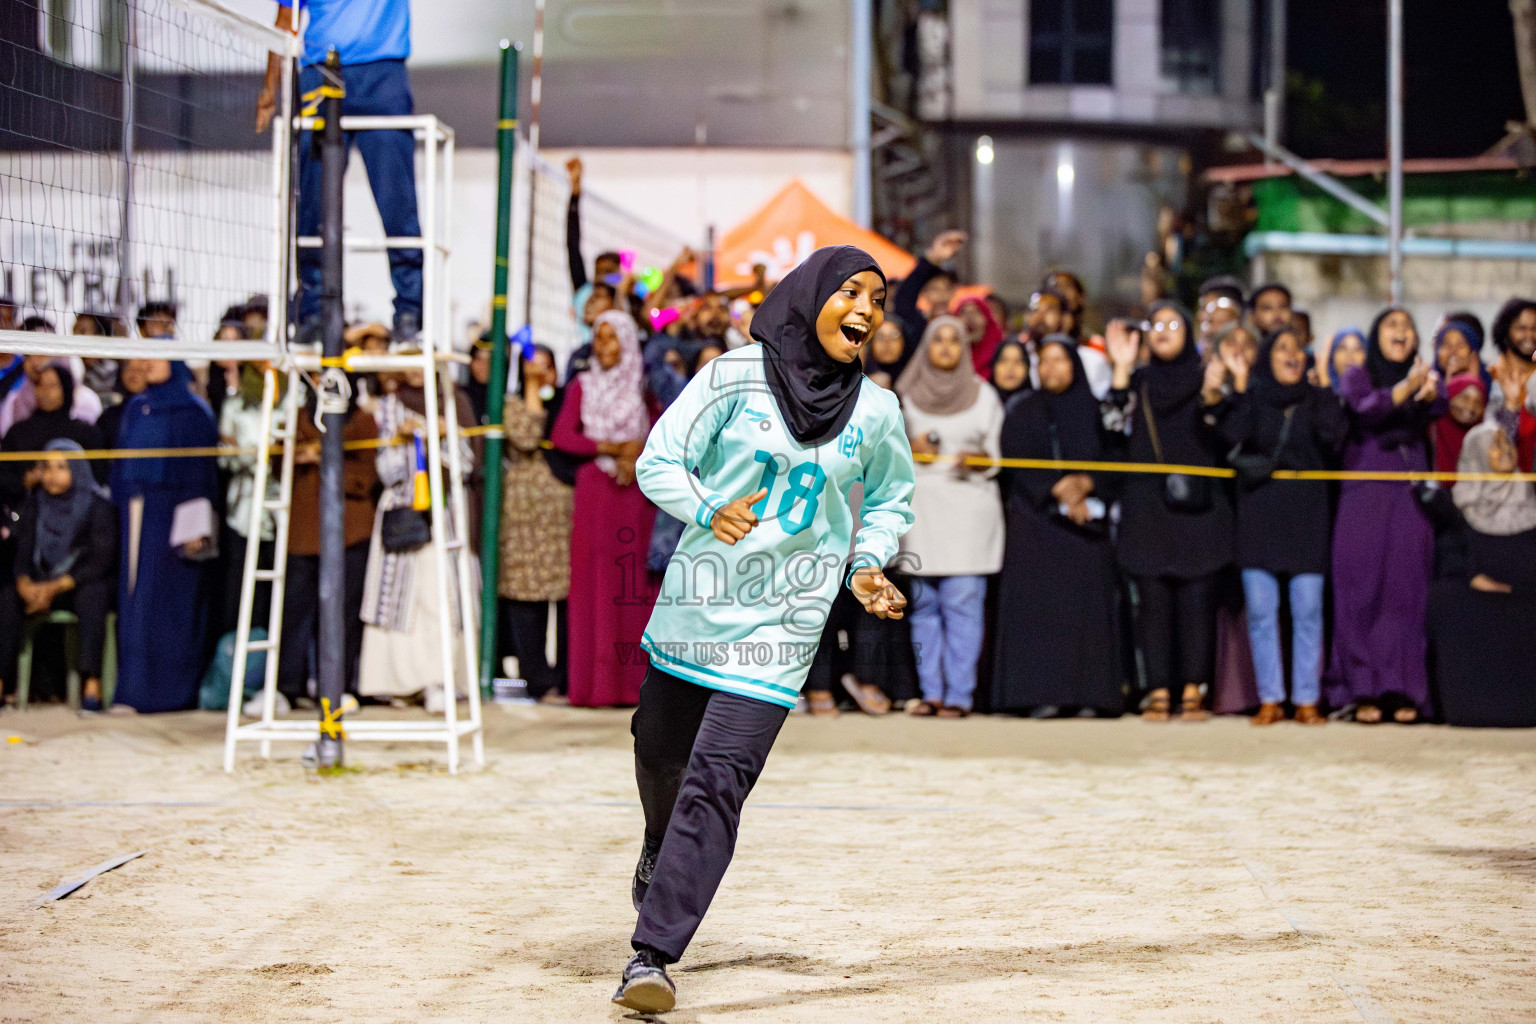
(1383, 544)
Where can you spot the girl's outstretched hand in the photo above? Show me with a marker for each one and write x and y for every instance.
(877, 594)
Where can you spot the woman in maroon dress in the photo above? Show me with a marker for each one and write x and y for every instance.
(605, 418)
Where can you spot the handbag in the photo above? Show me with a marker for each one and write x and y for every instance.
(402, 530)
(1253, 470)
(1190, 495)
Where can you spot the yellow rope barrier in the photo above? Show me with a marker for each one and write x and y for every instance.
(1069, 465)
(1222, 471)
(113, 454)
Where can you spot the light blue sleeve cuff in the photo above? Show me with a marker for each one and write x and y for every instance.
(860, 560)
(711, 504)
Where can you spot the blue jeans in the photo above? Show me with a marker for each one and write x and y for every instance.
(1262, 591)
(947, 614)
(382, 88)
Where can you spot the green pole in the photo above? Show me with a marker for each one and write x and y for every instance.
(490, 517)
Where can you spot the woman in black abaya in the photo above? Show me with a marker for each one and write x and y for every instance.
(1056, 646)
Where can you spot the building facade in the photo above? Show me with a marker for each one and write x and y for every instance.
(1070, 125)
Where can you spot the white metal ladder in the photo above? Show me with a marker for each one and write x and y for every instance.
(448, 551)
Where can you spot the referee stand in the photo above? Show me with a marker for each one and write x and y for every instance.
(326, 371)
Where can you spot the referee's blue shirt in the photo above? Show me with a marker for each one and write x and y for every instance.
(360, 30)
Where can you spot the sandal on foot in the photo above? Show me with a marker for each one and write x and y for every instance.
(1156, 707)
(1406, 715)
(1367, 714)
(1269, 714)
(1307, 714)
(1191, 709)
(821, 703)
(950, 711)
(870, 699)
(922, 709)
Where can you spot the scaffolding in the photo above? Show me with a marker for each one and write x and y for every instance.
(456, 565)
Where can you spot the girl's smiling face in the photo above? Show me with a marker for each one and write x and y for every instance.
(851, 315)
(1455, 354)
(1397, 338)
(1467, 407)
(1055, 368)
(1287, 361)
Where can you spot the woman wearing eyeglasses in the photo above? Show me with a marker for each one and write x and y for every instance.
(1176, 528)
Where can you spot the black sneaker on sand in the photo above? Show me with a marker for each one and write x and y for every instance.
(643, 872)
(645, 986)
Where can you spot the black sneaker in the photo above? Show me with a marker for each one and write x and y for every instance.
(643, 872)
(645, 986)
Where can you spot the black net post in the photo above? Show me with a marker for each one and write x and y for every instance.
(331, 408)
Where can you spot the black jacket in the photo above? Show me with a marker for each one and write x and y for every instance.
(1283, 526)
(1154, 540)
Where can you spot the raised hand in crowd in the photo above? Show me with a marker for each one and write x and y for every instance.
(1123, 344)
(1321, 370)
(1216, 374)
(1512, 381)
(1238, 363)
(1430, 389)
(944, 247)
(1410, 385)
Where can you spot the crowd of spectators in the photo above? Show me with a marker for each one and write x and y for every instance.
(153, 548)
(1065, 591)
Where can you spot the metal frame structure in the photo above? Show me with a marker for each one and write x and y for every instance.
(438, 143)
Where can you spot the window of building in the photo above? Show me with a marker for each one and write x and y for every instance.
(1071, 42)
(1192, 45)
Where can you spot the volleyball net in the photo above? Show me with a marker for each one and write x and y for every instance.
(542, 298)
(131, 170)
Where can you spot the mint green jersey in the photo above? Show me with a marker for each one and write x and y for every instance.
(747, 618)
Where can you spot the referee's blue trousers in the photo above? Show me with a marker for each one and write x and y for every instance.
(380, 88)
(698, 753)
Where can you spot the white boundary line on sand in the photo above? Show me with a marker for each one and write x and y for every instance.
(1369, 1009)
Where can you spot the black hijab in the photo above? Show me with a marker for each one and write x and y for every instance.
(816, 394)
(1169, 383)
(1262, 378)
(34, 432)
(1006, 393)
(1043, 425)
(1385, 373)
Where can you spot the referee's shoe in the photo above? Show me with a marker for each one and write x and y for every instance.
(644, 985)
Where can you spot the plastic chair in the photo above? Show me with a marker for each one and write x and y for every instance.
(71, 623)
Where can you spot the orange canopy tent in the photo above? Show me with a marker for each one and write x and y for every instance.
(791, 226)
